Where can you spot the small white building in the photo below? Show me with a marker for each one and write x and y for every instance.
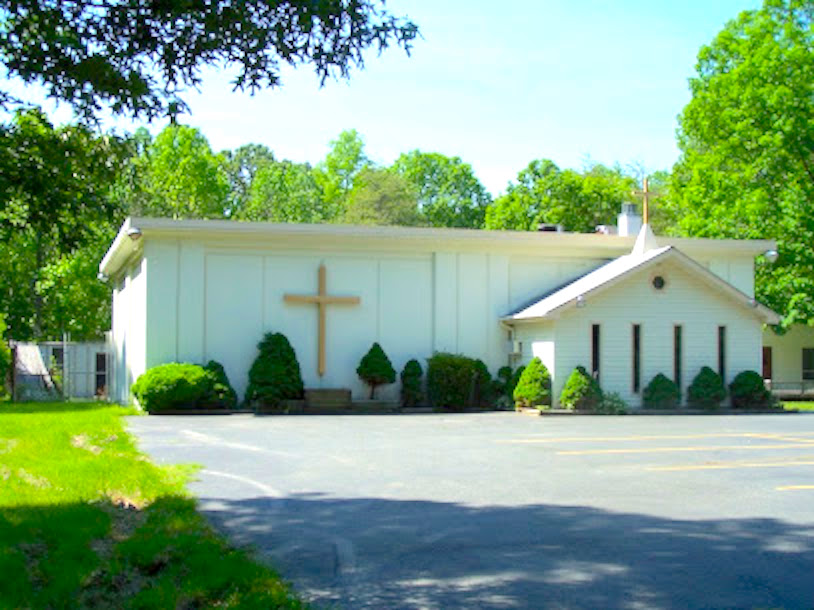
(195, 290)
(788, 361)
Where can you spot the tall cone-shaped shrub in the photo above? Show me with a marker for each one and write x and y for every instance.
(375, 369)
(534, 387)
(275, 374)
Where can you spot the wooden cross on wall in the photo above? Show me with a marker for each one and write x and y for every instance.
(321, 300)
(646, 194)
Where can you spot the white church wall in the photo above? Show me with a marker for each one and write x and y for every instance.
(133, 330)
(737, 270)
(787, 352)
(684, 301)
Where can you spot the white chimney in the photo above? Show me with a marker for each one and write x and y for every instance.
(629, 221)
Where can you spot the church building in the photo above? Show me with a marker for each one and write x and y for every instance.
(624, 304)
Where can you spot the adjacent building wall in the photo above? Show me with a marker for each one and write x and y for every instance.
(787, 353)
(683, 301)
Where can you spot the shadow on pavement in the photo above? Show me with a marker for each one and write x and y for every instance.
(376, 553)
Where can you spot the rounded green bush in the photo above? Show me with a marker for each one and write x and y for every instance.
(411, 393)
(612, 404)
(661, 393)
(275, 374)
(451, 381)
(748, 391)
(173, 386)
(222, 393)
(534, 387)
(581, 391)
(375, 369)
(706, 390)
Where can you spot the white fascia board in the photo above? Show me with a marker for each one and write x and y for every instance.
(617, 271)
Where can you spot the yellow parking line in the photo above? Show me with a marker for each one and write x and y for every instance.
(794, 487)
(655, 437)
(683, 449)
(731, 465)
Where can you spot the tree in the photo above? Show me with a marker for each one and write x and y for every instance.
(747, 141)
(138, 57)
(56, 203)
(337, 173)
(241, 167)
(381, 197)
(179, 176)
(449, 194)
(544, 193)
(283, 191)
(275, 373)
(534, 387)
(375, 368)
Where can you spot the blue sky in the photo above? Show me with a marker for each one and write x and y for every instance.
(498, 84)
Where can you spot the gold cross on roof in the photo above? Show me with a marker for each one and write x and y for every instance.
(646, 194)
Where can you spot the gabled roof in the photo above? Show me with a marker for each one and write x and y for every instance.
(574, 293)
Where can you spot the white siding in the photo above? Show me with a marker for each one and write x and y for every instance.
(787, 352)
(683, 301)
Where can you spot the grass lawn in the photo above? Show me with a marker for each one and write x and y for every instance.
(799, 406)
(86, 521)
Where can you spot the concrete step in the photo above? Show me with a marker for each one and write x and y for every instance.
(336, 398)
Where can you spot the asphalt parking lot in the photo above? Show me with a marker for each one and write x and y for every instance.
(500, 510)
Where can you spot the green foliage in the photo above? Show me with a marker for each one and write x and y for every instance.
(661, 393)
(534, 386)
(336, 175)
(748, 391)
(82, 512)
(222, 393)
(448, 193)
(453, 380)
(381, 197)
(412, 393)
(5, 359)
(483, 393)
(136, 58)
(275, 374)
(581, 391)
(174, 386)
(706, 390)
(544, 193)
(57, 216)
(375, 368)
(746, 168)
(178, 176)
(241, 167)
(283, 191)
(612, 404)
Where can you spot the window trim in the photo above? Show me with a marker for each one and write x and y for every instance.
(636, 348)
(596, 350)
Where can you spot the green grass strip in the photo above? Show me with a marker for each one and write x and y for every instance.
(87, 521)
(798, 406)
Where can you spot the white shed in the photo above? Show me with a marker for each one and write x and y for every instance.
(195, 290)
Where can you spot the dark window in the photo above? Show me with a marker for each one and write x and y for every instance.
(637, 357)
(677, 355)
(101, 374)
(58, 354)
(595, 351)
(808, 363)
(722, 352)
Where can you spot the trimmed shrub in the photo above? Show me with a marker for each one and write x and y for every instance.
(581, 391)
(375, 369)
(5, 358)
(534, 387)
(661, 393)
(275, 374)
(706, 390)
(483, 390)
(612, 404)
(748, 391)
(222, 394)
(452, 380)
(173, 386)
(411, 392)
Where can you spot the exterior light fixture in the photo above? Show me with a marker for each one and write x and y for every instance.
(771, 256)
(580, 301)
(134, 233)
(102, 277)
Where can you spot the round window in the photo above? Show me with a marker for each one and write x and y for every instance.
(658, 282)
